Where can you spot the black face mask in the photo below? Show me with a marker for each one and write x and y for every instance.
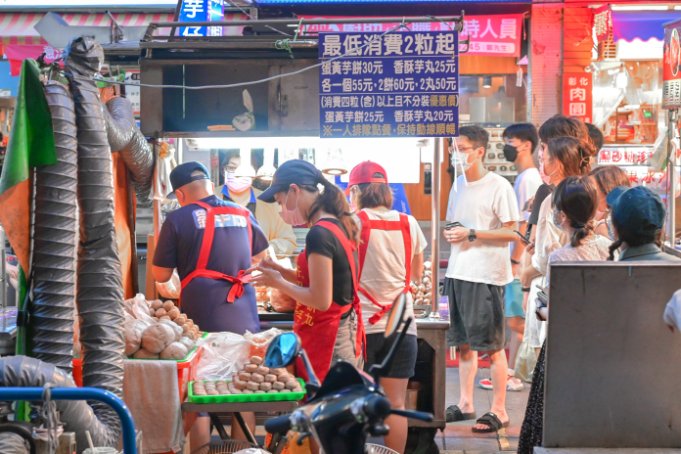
(510, 153)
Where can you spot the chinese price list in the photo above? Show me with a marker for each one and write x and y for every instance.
(402, 84)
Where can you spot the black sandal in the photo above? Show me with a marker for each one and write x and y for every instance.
(492, 422)
(454, 414)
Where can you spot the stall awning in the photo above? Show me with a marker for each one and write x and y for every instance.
(641, 25)
(19, 28)
(20, 40)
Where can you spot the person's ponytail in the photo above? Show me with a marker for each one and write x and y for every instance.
(614, 247)
(333, 201)
(581, 232)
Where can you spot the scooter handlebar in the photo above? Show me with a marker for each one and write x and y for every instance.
(376, 406)
(278, 425)
(411, 414)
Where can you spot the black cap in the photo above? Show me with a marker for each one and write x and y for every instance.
(182, 175)
(291, 172)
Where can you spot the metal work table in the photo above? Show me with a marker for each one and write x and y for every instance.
(215, 410)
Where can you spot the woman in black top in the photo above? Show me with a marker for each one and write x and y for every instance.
(327, 317)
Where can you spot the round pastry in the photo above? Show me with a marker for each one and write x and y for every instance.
(257, 360)
(270, 378)
(257, 378)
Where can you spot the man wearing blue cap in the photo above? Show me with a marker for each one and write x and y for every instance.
(211, 242)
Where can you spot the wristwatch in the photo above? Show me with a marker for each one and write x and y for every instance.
(472, 236)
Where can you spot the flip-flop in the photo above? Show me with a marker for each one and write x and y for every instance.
(454, 414)
(492, 422)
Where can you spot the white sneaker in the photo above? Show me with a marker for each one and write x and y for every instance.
(514, 384)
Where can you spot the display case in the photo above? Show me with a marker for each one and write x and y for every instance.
(627, 100)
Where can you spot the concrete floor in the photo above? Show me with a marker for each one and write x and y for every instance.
(458, 437)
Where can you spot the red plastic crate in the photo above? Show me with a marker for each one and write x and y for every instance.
(186, 371)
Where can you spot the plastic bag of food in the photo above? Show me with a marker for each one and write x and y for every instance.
(130, 304)
(281, 302)
(223, 355)
(259, 342)
(170, 289)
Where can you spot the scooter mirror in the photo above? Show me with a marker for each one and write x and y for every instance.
(282, 351)
(396, 315)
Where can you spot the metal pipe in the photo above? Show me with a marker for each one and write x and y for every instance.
(671, 166)
(435, 231)
(295, 22)
(80, 394)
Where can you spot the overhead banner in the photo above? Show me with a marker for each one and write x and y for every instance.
(578, 96)
(201, 11)
(493, 36)
(671, 72)
(389, 85)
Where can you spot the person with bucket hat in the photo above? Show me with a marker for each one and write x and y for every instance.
(390, 257)
(328, 317)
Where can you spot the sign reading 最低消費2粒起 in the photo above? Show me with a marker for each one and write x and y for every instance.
(400, 84)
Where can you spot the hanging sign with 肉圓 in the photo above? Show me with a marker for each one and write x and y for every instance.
(400, 84)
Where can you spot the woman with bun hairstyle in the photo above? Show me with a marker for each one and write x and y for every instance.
(390, 257)
(574, 206)
(327, 317)
(562, 157)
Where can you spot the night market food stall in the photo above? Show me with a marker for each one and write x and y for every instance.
(332, 105)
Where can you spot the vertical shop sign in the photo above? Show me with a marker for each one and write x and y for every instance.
(671, 72)
(577, 96)
(201, 11)
(132, 92)
(389, 85)
(602, 22)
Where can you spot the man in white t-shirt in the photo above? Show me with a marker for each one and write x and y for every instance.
(521, 139)
(482, 215)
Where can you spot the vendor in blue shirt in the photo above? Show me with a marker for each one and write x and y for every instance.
(211, 242)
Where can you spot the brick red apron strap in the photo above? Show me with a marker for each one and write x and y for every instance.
(208, 234)
(370, 224)
(349, 247)
(406, 237)
(201, 269)
(364, 235)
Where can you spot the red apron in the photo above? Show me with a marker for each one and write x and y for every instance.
(317, 329)
(367, 226)
(201, 269)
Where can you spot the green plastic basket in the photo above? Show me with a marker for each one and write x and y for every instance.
(240, 398)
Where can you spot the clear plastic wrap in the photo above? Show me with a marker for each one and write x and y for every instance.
(170, 289)
(223, 355)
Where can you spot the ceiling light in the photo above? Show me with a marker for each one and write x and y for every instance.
(639, 7)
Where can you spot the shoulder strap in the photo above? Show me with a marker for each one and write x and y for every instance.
(208, 234)
(364, 235)
(406, 237)
(348, 247)
(378, 224)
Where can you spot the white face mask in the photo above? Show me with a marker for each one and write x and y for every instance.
(460, 158)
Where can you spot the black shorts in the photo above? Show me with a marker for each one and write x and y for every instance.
(476, 315)
(404, 361)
